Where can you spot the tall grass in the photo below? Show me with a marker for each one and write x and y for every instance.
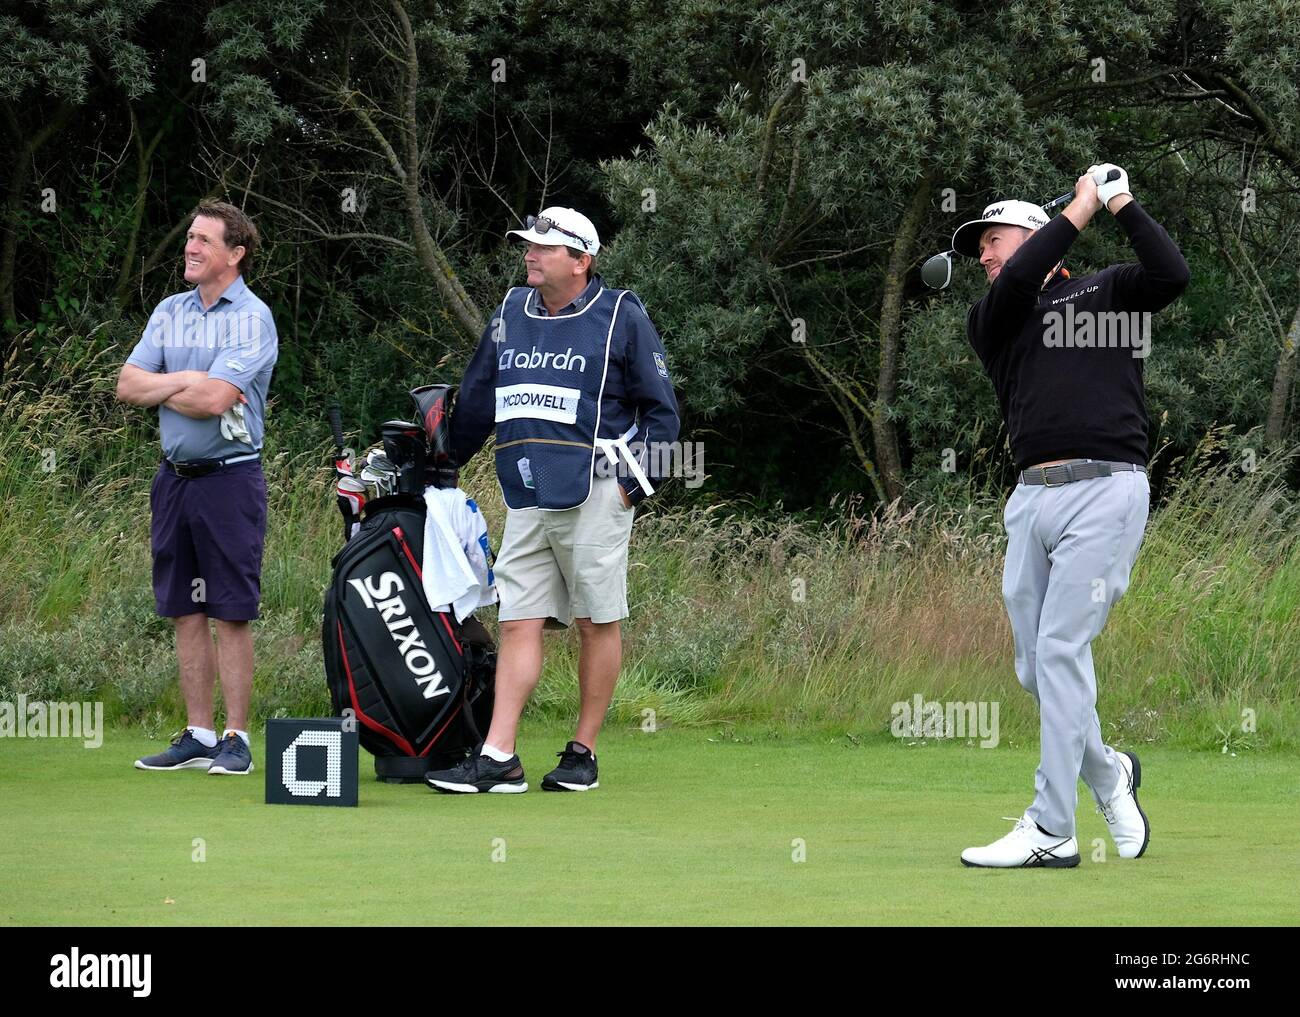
(738, 623)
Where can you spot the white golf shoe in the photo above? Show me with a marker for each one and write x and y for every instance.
(1025, 847)
(1128, 824)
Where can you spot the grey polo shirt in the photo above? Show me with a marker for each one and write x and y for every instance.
(233, 340)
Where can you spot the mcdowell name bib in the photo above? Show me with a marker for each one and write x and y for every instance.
(550, 379)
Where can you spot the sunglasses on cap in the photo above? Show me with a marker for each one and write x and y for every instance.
(541, 226)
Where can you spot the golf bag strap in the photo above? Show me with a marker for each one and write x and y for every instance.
(467, 704)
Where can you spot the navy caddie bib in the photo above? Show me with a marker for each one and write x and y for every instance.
(550, 379)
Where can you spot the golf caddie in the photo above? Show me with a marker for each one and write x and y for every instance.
(205, 361)
(574, 379)
(1065, 357)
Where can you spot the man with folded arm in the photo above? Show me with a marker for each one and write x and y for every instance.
(205, 360)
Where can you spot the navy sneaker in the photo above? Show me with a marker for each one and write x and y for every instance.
(477, 773)
(185, 753)
(233, 756)
(576, 772)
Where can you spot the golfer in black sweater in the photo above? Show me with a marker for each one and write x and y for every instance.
(1065, 356)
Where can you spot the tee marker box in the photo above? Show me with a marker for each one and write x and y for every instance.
(311, 761)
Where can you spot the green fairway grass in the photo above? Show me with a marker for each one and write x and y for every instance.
(687, 827)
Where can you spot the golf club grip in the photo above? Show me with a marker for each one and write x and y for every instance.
(1112, 175)
(336, 424)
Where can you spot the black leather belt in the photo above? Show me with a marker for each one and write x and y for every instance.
(192, 468)
(1068, 473)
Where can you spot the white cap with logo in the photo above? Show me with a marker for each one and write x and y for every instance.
(1001, 213)
(558, 226)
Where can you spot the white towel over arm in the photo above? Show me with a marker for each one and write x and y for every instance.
(457, 575)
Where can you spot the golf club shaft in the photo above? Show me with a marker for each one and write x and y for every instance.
(937, 270)
(336, 425)
(1112, 175)
(335, 414)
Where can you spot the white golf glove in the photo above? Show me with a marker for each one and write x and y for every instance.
(233, 427)
(1106, 191)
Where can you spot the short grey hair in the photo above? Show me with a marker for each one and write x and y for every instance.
(575, 254)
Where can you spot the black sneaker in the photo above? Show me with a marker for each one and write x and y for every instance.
(477, 773)
(233, 757)
(576, 772)
(185, 753)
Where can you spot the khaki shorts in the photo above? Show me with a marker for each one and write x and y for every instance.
(567, 564)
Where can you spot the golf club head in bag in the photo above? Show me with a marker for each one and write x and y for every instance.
(351, 494)
(434, 404)
(349, 491)
(404, 446)
(377, 461)
(377, 473)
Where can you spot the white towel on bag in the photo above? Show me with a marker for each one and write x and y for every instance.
(457, 573)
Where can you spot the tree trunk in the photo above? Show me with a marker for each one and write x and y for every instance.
(888, 458)
(1283, 379)
(432, 257)
(843, 397)
(20, 176)
(143, 157)
(143, 171)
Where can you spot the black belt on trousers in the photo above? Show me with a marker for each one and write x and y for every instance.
(193, 468)
(1068, 473)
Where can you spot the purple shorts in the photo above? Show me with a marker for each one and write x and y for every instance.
(207, 537)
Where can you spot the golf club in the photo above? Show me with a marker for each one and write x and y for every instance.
(405, 444)
(378, 472)
(937, 270)
(350, 505)
(379, 462)
(381, 483)
(433, 404)
(351, 494)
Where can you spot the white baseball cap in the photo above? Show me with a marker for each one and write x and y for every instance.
(558, 226)
(1001, 213)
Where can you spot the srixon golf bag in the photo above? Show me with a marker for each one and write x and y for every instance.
(418, 682)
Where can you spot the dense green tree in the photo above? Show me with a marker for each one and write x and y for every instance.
(56, 58)
(768, 177)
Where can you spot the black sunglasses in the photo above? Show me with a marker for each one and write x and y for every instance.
(543, 226)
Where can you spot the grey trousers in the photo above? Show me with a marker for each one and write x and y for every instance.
(1070, 549)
